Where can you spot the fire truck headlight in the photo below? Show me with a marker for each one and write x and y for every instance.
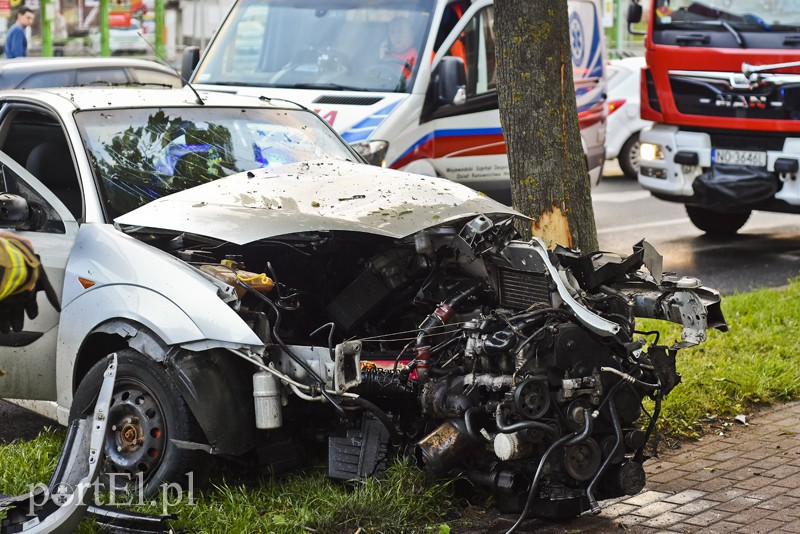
(650, 152)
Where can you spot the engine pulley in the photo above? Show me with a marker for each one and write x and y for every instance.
(532, 398)
(575, 413)
(581, 461)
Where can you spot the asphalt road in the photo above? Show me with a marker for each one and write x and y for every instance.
(765, 253)
(18, 423)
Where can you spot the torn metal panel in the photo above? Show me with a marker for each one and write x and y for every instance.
(60, 506)
(121, 521)
(652, 260)
(696, 308)
(594, 322)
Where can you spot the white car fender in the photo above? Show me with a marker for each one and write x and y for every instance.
(141, 284)
(90, 312)
(109, 257)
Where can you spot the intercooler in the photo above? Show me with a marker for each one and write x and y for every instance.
(521, 289)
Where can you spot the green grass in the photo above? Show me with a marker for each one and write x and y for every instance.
(23, 463)
(402, 502)
(755, 363)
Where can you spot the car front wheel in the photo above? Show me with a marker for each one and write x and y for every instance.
(715, 222)
(146, 418)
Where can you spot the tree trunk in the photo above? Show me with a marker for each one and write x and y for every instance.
(549, 179)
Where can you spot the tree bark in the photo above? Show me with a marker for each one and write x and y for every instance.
(536, 93)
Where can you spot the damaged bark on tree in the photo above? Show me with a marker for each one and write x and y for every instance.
(536, 93)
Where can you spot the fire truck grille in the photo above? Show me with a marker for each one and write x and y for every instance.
(521, 289)
(717, 98)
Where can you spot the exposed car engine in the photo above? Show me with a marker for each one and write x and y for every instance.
(479, 353)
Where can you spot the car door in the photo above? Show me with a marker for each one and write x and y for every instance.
(28, 358)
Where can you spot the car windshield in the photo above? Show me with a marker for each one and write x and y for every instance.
(743, 15)
(360, 45)
(139, 155)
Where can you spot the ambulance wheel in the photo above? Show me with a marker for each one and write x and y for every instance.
(715, 222)
(147, 416)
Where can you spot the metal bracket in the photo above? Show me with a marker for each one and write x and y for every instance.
(61, 506)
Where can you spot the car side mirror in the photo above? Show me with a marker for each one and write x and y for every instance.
(189, 60)
(17, 214)
(634, 16)
(450, 81)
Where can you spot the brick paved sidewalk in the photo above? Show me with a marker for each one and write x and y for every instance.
(747, 481)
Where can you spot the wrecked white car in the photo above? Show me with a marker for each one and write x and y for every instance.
(323, 299)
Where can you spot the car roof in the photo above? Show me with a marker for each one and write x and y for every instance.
(80, 98)
(631, 63)
(39, 64)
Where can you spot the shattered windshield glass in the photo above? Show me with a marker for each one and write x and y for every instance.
(357, 45)
(139, 155)
(743, 15)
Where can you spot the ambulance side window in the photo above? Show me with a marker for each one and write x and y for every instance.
(476, 47)
(450, 18)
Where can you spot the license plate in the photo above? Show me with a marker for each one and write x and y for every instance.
(739, 157)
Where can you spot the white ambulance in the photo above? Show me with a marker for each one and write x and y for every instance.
(409, 83)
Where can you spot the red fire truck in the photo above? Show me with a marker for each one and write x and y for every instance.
(722, 84)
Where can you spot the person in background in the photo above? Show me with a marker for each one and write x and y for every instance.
(452, 14)
(16, 41)
(400, 45)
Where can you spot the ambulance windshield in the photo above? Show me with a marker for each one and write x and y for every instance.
(349, 45)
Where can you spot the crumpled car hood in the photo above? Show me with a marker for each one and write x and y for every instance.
(313, 196)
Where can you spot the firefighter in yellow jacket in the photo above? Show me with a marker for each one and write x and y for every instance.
(21, 278)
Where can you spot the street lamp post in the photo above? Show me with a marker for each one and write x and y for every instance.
(105, 44)
(161, 47)
(47, 12)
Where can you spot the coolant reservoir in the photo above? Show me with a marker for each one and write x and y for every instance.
(258, 281)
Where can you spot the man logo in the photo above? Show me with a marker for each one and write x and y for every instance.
(730, 101)
(743, 101)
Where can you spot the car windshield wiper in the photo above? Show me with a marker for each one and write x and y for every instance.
(307, 85)
(234, 83)
(125, 84)
(145, 84)
(722, 23)
(331, 86)
(103, 83)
